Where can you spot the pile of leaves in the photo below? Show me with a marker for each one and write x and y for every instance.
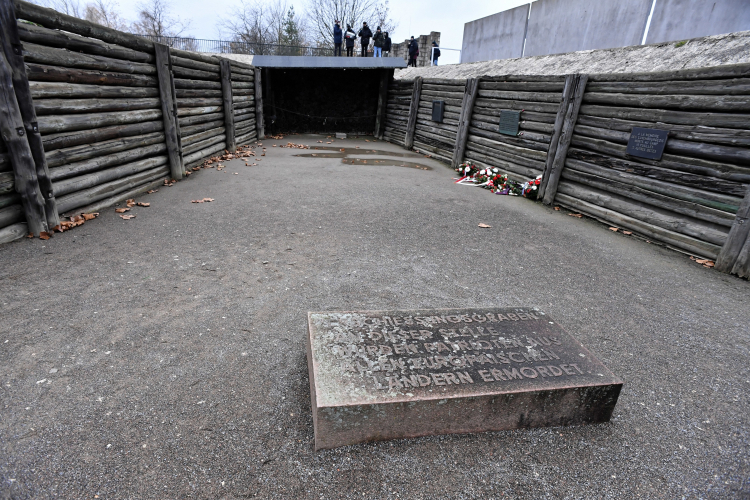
(66, 225)
(245, 151)
(295, 146)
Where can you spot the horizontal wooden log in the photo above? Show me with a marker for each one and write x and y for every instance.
(723, 103)
(715, 176)
(99, 163)
(646, 213)
(202, 93)
(7, 183)
(518, 173)
(505, 155)
(194, 129)
(47, 73)
(524, 78)
(436, 139)
(521, 96)
(523, 86)
(204, 144)
(242, 98)
(50, 90)
(60, 39)
(245, 129)
(52, 19)
(193, 64)
(86, 197)
(200, 118)
(41, 54)
(541, 107)
(695, 246)
(196, 56)
(692, 194)
(198, 156)
(489, 142)
(724, 120)
(450, 126)
(525, 115)
(432, 151)
(716, 152)
(118, 198)
(13, 232)
(434, 94)
(519, 142)
(239, 68)
(449, 103)
(81, 182)
(196, 102)
(528, 135)
(70, 106)
(244, 111)
(9, 199)
(641, 195)
(243, 92)
(191, 140)
(86, 151)
(246, 139)
(11, 215)
(243, 78)
(244, 105)
(527, 123)
(243, 85)
(734, 86)
(445, 81)
(5, 165)
(65, 123)
(182, 83)
(706, 73)
(243, 117)
(198, 111)
(68, 139)
(194, 74)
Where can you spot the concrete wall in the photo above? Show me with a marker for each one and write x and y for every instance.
(425, 45)
(558, 26)
(682, 19)
(499, 36)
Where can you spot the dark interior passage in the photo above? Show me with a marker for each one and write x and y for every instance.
(320, 100)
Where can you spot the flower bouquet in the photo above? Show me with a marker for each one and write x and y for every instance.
(531, 189)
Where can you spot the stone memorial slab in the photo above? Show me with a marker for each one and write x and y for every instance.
(378, 375)
(509, 121)
(647, 143)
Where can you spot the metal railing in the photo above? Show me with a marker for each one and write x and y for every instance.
(238, 47)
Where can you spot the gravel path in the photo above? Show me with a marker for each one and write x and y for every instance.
(164, 356)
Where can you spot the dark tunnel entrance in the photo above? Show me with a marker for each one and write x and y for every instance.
(320, 100)
(323, 94)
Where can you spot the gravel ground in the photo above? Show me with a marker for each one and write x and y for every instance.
(164, 356)
(717, 50)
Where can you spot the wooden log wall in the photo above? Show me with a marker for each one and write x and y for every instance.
(433, 138)
(100, 108)
(397, 110)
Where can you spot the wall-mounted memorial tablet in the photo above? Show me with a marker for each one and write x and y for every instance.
(378, 375)
(647, 143)
(438, 110)
(509, 122)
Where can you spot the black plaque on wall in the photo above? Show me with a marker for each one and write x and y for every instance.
(438, 110)
(509, 122)
(647, 143)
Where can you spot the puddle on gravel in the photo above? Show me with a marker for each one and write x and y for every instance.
(344, 154)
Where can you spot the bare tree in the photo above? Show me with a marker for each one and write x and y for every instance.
(322, 14)
(105, 13)
(155, 19)
(69, 7)
(256, 24)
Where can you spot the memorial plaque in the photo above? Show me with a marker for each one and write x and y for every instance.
(647, 143)
(395, 374)
(509, 122)
(438, 110)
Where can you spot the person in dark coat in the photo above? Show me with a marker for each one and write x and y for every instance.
(387, 45)
(378, 41)
(350, 38)
(435, 53)
(364, 37)
(413, 52)
(337, 37)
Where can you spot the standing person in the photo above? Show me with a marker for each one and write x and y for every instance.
(413, 52)
(387, 45)
(337, 35)
(364, 37)
(377, 41)
(350, 37)
(435, 53)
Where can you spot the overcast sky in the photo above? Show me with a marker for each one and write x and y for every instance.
(414, 17)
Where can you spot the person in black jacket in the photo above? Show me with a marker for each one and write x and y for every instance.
(435, 53)
(377, 41)
(413, 52)
(364, 36)
(349, 37)
(337, 35)
(386, 45)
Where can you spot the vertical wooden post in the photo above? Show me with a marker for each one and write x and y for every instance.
(413, 110)
(169, 109)
(567, 134)
(24, 169)
(739, 236)
(567, 94)
(226, 94)
(259, 126)
(385, 79)
(464, 120)
(11, 46)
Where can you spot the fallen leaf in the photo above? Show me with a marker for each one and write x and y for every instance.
(484, 225)
(692, 258)
(557, 209)
(30, 235)
(708, 264)
(143, 204)
(576, 215)
(627, 232)
(127, 217)
(236, 173)
(122, 210)
(702, 261)
(90, 216)
(328, 142)
(44, 235)
(615, 229)
(151, 191)
(130, 202)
